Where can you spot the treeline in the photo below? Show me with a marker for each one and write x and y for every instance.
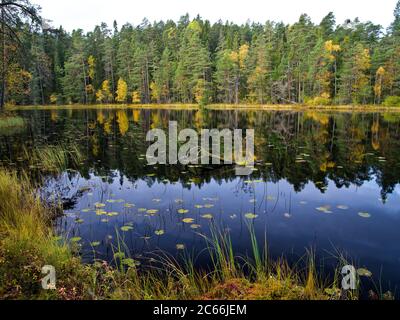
(194, 61)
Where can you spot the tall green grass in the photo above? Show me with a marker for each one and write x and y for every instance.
(53, 159)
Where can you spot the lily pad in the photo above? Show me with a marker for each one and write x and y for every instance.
(325, 209)
(76, 239)
(195, 226)
(251, 216)
(180, 246)
(188, 220)
(119, 255)
(95, 244)
(130, 262)
(343, 207)
(208, 216)
(183, 211)
(113, 214)
(126, 228)
(159, 232)
(362, 272)
(364, 215)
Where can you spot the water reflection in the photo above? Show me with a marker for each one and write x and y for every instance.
(322, 180)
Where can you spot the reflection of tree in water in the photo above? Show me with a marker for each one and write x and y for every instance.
(301, 147)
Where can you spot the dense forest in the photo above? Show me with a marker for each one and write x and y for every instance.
(194, 61)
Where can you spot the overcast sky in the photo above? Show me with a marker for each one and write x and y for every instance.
(86, 14)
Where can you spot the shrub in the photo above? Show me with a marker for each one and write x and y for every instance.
(392, 101)
(319, 101)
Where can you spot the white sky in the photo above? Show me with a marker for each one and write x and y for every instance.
(85, 14)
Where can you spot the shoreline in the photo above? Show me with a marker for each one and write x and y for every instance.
(213, 107)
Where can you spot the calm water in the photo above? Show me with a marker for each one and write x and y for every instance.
(327, 181)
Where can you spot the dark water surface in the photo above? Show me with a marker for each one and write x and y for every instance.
(327, 181)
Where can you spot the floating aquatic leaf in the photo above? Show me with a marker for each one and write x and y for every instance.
(183, 211)
(364, 215)
(179, 201)
(188, 220)
(119, 255)
(101, 212)
(76, 239)
(343, 207)
(59, 238)
(287, 215)
(95, 244)
(362, 272)
(79, 221)
(159, 232)
(111, 201)
(325, 209)
(142, 210)
(86, 210)
(253, 201)
(270, 198)
(251, 216)
(104, 220)
(99, 205)
(130, 263)
(195, 226)
(152, 212)
(151, 175)
(126, 228)
(208, 216)
(129, 205)
(234, 216)
(198, 206)
(180, 247)
(208, 206)
(157, 200)
(113, 214)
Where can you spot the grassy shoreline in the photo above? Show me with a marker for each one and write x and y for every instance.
(27, 243)
(244, 107)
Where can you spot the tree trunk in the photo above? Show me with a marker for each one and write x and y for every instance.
(3, 69)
